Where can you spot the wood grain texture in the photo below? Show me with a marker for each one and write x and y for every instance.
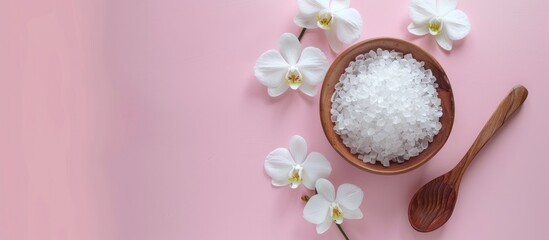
(444, 92)
(433, 204)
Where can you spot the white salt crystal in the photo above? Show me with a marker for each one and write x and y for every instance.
(386, 107)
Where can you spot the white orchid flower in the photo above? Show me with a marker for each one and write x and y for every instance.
(290, 166)
(325, 207)
(343, 25)
(291, 67)
(440, 18)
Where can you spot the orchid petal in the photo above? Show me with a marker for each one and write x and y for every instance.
(271, 68)
(325, 189)
(294, 185)
(312, 65)
(336, 5)
(335, 44)
(308, 9)
(349, 196)
(314, 167)
(298, 148)
(324, 226)
(351, 214)
(443, 41)
(278, 90)
(316, 210)
(457, 25)
(348, 25)
(308, 89)
(445, 6)
(312, 6)
(418, 30)
(277, 165)
(290, 48)
(306, 20)
(422, 10)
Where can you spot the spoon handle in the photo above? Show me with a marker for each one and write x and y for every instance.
(506, 108)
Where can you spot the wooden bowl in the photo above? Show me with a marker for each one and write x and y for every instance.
(444, 92)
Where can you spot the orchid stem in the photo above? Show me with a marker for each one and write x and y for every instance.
(342, 232)
(301, 34)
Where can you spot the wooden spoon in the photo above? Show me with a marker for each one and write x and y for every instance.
(433, 204)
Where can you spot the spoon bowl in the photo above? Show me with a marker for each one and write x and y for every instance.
(427, 217)
(433, 204)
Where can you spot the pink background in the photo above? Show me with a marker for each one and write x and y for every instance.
(143, 120)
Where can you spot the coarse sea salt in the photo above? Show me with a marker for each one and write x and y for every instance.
(385, 107)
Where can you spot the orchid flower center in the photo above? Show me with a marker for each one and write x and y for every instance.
(435, 25)
(336, 213)
(324, 19)
(293, 77)
(295, 175)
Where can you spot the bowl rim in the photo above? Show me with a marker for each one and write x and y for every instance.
(447, 105)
